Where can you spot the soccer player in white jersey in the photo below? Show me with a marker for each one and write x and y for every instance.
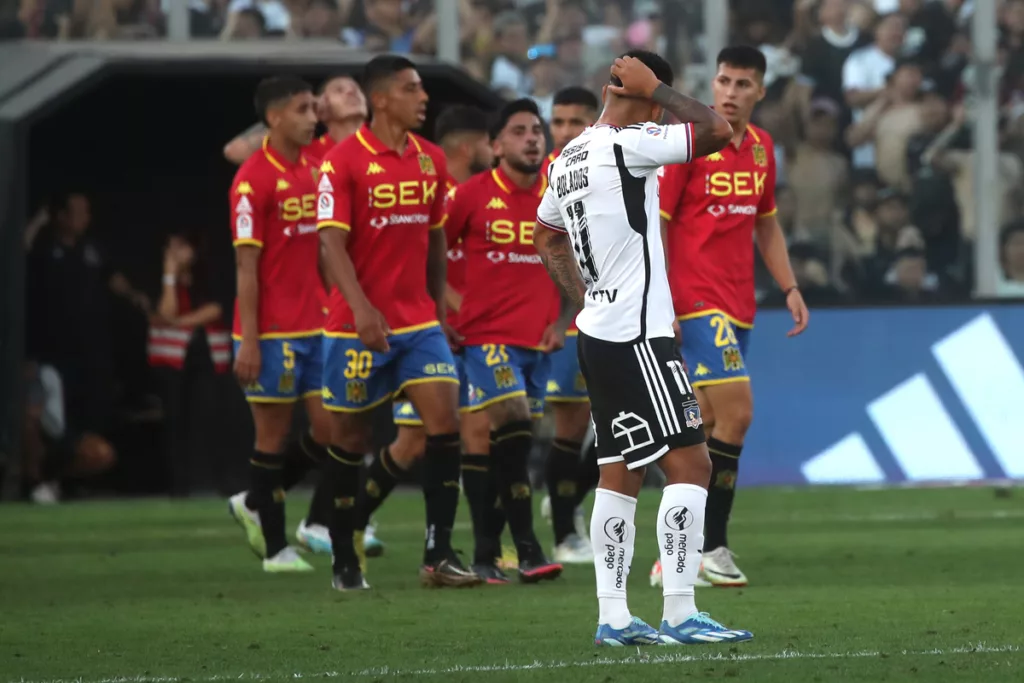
(599, 235)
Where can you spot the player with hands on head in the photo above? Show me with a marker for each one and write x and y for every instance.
(599, 237)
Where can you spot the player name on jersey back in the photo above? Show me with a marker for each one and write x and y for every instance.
(603, 191)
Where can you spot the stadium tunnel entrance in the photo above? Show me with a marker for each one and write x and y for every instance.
(141, 135)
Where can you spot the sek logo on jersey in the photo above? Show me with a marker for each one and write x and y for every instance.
(717, 210)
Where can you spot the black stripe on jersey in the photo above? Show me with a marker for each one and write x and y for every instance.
(634, 197)
(633, 126)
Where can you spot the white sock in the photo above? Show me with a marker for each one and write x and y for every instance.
(612, 534)
(681, 538)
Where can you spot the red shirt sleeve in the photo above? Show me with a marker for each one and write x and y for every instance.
(456, 214)
(248, 200)
(767, 205)
(671, 187)
(437, 209)
(334, 194)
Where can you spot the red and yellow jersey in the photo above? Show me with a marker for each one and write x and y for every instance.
(456, 262)
(273, 207)
(712, 205)
(388, 203)
(506, 284)
(319, 147)
(556, 305)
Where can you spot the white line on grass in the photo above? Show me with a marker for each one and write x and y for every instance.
(641, 658)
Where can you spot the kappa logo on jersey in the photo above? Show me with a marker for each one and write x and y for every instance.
(634, 429)
(327, 167)
(497, 203)
(701, 371)
(282, 184)
(243, 206)
(406, 409)
(714, 156)
(244, 187)
(374, 169)
(325, 185)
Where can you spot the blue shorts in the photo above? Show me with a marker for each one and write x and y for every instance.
(404, 412)
(497, 372)
(290, 369)
(357, 379)
(566, 383)
(714, 348)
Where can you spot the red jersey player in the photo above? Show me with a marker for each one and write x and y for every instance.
(340, 107)
(380, 209)
(505, 342)
(712, 207)
(278, 313)
(569, 479)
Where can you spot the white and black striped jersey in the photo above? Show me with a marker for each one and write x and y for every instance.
(603, 191)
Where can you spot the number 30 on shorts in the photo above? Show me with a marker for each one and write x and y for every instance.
(359, 364)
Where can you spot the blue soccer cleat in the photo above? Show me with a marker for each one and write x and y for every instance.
(700, 629)
(637, 633)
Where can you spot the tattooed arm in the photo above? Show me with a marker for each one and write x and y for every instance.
(557, 255)
(245, 144)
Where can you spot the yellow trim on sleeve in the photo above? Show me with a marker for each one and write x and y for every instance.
(247, 243)
(714, 382)
(769, 214)
(438, 226)
(717, 311)
(334, 224)
(666, 215)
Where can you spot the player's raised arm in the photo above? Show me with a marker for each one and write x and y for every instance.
(243, 145)
(701, 131)
(552, 243)
(334, 221)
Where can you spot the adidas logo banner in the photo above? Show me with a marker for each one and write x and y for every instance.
(889, 396)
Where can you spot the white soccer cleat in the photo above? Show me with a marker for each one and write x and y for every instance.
(573, 550)
(315, 538)
(579, 520)
(656, 581)
(285, 561)
(719, 569)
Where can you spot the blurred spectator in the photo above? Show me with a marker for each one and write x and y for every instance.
(890, 121)
(812, 276)
(1010, 282)
(544, 75)
(276, 19)
(930, 29)
(818, 174)
(206, 19)
(865, 74)
(53, 456)
(69, 282)
(245, 24)
(187, 337)
(511, 40)
(826, 52)
(909, 281)
(322, 19)
(386, 29)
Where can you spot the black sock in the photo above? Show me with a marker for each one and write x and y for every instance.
(588, 474)
(494, 513)
(341, 474)
(322, 505)
(725, 465)
(478, 482)
(298, 460)
(511, 445)
(381, 478)
(266, 496)
(441, 492)
(562, 466)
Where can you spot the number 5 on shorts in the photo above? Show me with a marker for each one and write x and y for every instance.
(288, 356)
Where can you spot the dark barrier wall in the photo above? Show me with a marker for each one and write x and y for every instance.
(144, 143)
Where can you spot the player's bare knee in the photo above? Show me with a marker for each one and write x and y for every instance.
(689, 465)
(732, 424)
(273, 423)
(510, 410)
(476, 432)
(350, 432)
(618, 478)
(319, 425)
(571, 420)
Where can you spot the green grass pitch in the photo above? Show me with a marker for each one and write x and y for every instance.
(896, 585)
